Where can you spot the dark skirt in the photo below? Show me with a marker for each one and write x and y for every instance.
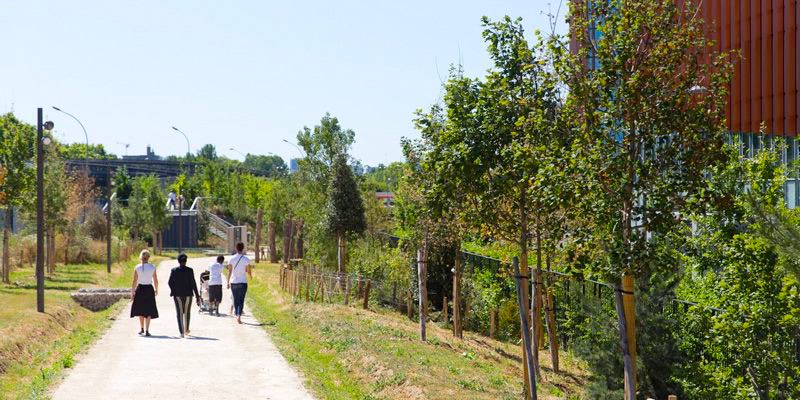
(215, 293)
(144, 302)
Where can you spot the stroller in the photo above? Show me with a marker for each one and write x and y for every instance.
(205, 305)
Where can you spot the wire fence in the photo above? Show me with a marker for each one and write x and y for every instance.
(584, 310)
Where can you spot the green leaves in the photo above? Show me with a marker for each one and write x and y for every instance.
(345, 208)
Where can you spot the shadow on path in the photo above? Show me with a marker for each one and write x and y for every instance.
(200, 338)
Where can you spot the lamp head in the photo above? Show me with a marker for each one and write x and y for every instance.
(48, 126)
(46, 141)
(56, 108)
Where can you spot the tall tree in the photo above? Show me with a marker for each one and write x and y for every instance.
(495, 146)
(272, 166)
(16, 155)
(345, 209)
(647, 140)
(323, 145)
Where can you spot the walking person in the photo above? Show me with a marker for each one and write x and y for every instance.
(144, 290)
(238, 269)
(171, 200)
(182, 286)
(215, 285)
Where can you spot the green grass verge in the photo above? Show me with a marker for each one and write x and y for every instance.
(36, 347)
(349, 353)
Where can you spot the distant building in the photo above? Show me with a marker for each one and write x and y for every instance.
(293, 167)
(150, 156)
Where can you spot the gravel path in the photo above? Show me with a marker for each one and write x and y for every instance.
(220, 360)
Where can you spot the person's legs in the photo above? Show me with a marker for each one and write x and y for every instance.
(188, 313)
(147, 325)
(238, 297)
(179, 311)
(141, 323)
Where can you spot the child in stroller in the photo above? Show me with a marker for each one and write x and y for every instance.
(205, 305)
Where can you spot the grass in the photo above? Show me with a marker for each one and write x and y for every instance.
(36, 347)
(349, 353)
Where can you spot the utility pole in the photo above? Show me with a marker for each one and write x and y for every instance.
(108, 218)
(39, 213)
(180, 223)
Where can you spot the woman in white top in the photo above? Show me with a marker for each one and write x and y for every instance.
(239, 268)
(143, 292)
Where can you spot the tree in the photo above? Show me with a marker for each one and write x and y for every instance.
(323, 146)
(494, 149)
(207, 152)
(76, 151)
(345, 209)
(272, 166)
(16, 154)
(122, 185)
(646, 141)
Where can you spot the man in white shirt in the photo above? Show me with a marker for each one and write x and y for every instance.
(239, 269)
(171, 200)
(215, 284)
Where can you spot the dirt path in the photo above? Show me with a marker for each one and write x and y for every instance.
(220, 360)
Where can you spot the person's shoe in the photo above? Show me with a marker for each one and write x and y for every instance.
(181, 336)
(147, 333)
(141, 332)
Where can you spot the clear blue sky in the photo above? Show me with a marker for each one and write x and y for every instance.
(242, 74)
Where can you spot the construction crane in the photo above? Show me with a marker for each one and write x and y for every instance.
(126, 146)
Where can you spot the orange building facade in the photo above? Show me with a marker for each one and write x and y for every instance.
(765, 80)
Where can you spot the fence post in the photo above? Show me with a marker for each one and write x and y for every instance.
(423, 292)
(457, 330)
(493, 323)
(307, 278)
(347, 291)
(366, 294)
(444, 309)
(522, 301)
(273, 251)
(259, 218)
(410, 304)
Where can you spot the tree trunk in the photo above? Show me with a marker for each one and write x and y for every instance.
(6, 237)
(273, 251)
(66, 249)
(340, 258)
(538, 289)
(299, 253)
(259, 217)
(525, 273)
(286, 239)
(551, 317)
(457, 330)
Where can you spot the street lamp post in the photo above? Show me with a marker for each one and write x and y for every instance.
(303, 153)
(86, 156)
(188, 147)
(40, 142)
(243, 155)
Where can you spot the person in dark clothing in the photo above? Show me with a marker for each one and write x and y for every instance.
(182, 285)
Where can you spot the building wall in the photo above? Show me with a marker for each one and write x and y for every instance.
(765, 80)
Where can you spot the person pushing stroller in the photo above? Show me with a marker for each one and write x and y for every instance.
(215, 285)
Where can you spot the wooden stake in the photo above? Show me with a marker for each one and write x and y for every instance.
(423, 293)
(366, 294)
(493, 323)
(522, 301)
(629, 308)
(410, 304)
(347, 292)
(444, 310)
(273, 250)
(457, 330)
(259, 219)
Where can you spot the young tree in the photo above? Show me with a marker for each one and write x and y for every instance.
(495, 148)
(16, 156)
(323, 145)
(647, 140)
(345, 209)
